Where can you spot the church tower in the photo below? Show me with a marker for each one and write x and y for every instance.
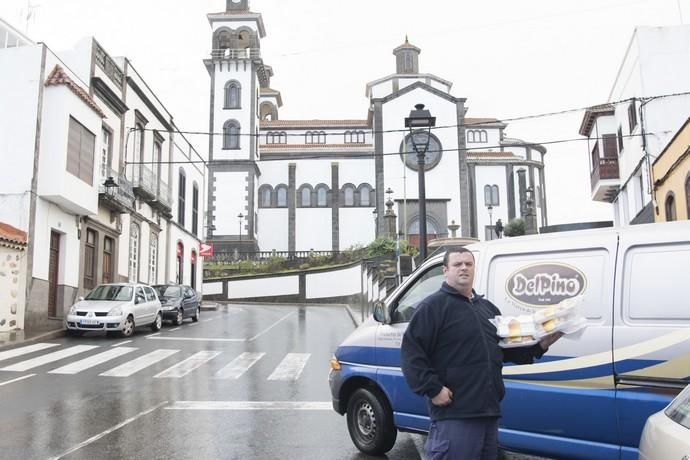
(237, 73)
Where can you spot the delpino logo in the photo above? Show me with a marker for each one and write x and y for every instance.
(543, 285)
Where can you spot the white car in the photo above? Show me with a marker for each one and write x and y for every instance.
(666, 434)
(118, 307)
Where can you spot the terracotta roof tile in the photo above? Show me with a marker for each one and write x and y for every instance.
(312, 123)
(59, 77)
(479, 121)
(11, 234)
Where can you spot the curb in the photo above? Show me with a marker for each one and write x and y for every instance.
(36, 338)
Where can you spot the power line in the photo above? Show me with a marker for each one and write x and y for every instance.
(403, 130)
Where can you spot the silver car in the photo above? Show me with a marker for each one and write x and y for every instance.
(118, 307)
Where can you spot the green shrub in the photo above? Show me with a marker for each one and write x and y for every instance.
(515, 227)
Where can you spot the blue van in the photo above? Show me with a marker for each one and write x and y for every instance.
(590, 396)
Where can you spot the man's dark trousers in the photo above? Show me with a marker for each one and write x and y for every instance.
(463, 439)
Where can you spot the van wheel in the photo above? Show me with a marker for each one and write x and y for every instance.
(370, 422)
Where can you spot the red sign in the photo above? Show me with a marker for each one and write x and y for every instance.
(205, 249)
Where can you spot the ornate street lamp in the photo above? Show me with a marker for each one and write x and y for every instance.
(110, 187)
(420, 123)
(240, 216)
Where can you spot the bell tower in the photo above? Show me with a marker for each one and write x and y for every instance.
(407, 58)
(236, 71)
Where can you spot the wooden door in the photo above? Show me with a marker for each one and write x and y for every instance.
(53, 265)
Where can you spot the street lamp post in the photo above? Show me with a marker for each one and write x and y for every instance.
(490, 210)
(240, 217)
(420, 123)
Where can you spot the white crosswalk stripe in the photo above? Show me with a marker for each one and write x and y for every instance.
(92, 361)
(26, 350)
(290, 368)
(188, 365)
(49, 358)
(239, 366)
(140, 363)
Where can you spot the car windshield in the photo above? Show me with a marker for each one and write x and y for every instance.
(111, 292)
(168, 291)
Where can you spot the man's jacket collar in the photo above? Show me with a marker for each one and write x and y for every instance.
(446, 288)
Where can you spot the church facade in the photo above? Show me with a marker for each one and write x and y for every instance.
(324, 185)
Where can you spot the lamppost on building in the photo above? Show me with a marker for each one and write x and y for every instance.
(110, 187)
(240, 216)
(490, 210)
(420, 123)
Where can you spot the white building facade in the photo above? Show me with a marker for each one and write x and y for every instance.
(646, 107)
(300, 185)
(95, 157)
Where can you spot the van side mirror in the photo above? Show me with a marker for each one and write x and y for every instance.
(381, 313)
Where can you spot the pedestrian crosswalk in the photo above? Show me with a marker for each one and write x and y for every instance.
(217, 364)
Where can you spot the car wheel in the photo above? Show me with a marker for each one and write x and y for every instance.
(370, 422)
(128, 327)
(197, 312)
(157, 323)
(178, 318)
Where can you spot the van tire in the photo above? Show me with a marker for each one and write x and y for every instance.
(370, 422)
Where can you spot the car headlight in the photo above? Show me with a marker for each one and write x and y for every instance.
(115, 311)
(72, 310)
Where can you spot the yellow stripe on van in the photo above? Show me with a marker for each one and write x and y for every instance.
(597, 383)
(676, 368)
(598, 359)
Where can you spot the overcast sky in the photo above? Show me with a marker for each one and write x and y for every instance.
(508, 58)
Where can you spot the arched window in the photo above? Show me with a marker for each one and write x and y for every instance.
(321, 196)
(192, 270)
(265, 196)
(281, 196)
(431, 228)
(348, 137)
(153, 258)
(470, 136)
(179, 266)
(305, 197)
(483, 137)
(491, 195)
(231, 135)
(361, 137)
(232, 95)
(133, 273)
(282, 137)
(348, 195)
(365, 195)
(670, 207)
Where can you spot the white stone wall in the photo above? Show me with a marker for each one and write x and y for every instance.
(280, 285)
(273, 231)
(12, 288)
(243, 115)
(334, 283)
(229, 201)
(312, 229)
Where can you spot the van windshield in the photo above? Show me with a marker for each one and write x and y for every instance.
(111, 292)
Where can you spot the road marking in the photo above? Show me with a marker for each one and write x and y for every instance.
(250, 405)
(239, 366)
(108, 431)
(209, 319)
(49, 358)
(25, 350)
(174, 329)
(197, 339)
(142, 362)
(271, 326)
(17, 379)
(290, 367)
(122, 343)
(153, 335)
(92, 361)
(188, 365)
(193, 324)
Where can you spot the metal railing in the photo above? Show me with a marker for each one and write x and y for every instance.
(227, 53)
(606, 168)
(122, 195)
(268, 256)
(164, 194)
(143, 178)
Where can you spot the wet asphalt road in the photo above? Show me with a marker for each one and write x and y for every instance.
(200, 400)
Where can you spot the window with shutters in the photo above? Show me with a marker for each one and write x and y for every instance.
(108, 244)
(620, 139)
(195, 208)
(133, 253)
(90, 259)
(153, 258)
(610, 146)
(632, 116)
(81, 148)
(106, 152)
(181, 192)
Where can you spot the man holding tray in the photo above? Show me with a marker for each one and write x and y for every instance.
(450, 354)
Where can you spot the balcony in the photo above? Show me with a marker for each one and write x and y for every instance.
(122, 198)
(605, 179)
(231, 54)
(163, 201)
(144, 183)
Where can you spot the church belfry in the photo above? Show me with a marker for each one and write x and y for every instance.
(407, 58)
(237, 72)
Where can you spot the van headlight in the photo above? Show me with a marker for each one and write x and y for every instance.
(115, 311)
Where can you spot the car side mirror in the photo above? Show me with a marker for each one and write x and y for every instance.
(81, 297)
(381, 313)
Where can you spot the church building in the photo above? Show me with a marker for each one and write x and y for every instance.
(326, 185)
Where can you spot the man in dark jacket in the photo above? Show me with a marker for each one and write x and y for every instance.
(450, 354)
